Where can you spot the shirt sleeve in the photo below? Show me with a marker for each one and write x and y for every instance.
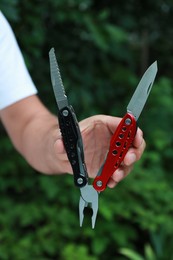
(15, 81)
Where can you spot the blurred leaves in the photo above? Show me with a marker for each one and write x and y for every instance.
(130, 254)
(73, 251)
(103, 49)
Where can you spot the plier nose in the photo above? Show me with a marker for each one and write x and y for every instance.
(89, 197)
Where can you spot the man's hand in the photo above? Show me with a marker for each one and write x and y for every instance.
(36, 135)
(96, 134)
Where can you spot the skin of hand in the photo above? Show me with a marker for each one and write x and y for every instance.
(96, 134)
(35, 133)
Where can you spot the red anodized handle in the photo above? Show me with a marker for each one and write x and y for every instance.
(120, 143)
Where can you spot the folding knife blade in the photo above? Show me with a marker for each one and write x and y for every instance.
(142, 91)
(57, 83)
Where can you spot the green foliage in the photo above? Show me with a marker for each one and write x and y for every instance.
(103, 48)
(130, 254)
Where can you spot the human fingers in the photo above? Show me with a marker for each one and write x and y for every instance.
(119, 175)
(137, 148)
(59, 146)
(133, 154)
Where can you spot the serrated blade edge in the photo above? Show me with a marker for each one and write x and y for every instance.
(56, 80)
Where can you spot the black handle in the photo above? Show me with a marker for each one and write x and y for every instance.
(73, 144)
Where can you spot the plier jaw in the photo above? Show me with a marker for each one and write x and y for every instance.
(89, 197)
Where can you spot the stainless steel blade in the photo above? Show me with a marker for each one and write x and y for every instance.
(142, 91)
(57, 84)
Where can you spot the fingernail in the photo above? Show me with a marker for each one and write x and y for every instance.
(131, 158)
(119, 175)
(141, 139)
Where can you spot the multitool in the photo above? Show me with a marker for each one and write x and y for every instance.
(120, 142)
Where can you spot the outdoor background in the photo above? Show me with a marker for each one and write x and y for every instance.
(103, 48)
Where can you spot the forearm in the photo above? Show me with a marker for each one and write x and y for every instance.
(38, 141)
(34, 132)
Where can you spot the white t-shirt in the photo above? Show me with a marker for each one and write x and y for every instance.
(15, 81)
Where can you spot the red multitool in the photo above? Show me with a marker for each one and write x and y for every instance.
(125, 133)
